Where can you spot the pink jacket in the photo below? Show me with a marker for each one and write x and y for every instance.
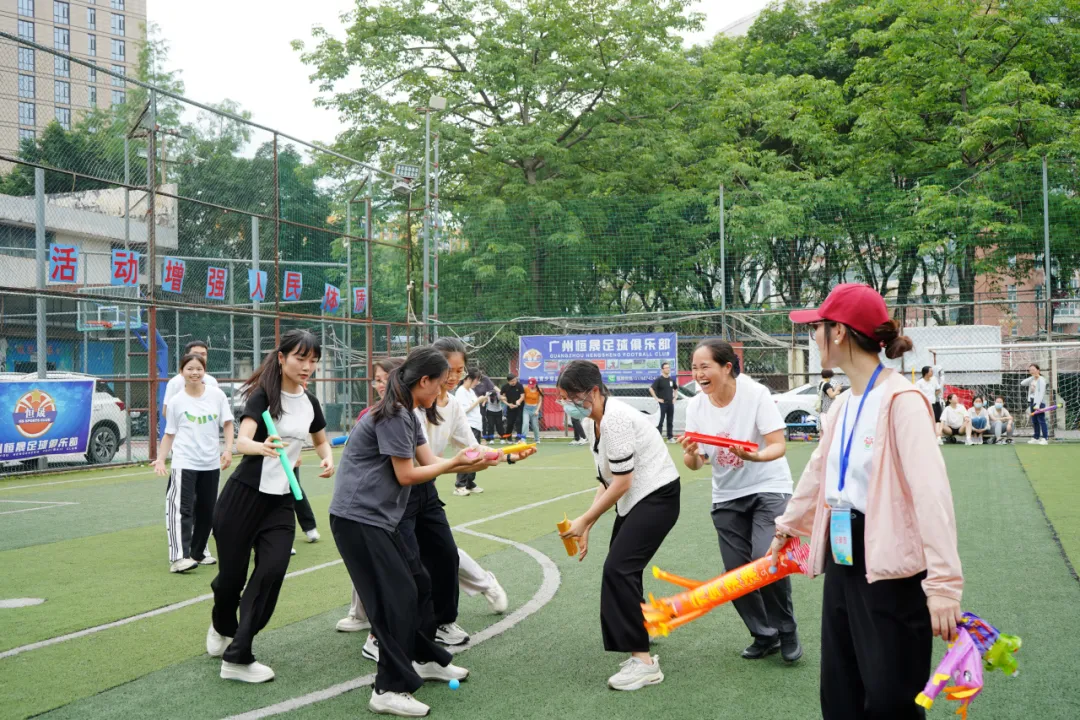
(910, 526)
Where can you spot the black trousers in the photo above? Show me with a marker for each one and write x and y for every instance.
(635, 538)
(245, 520)
(745, 528)
(396, 593)
(667, 411)
(189, 511)
(493, 424)
(467, 480)
(426, 533)
(875, 641)
(304, 514)
(513, 421)
(579, 431)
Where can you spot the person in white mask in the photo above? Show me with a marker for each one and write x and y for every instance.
(1001, 422)
(978, 421)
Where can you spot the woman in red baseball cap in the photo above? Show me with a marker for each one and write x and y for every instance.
(876, 503)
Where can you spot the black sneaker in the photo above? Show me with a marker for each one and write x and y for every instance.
(761, 647)
(790, 647)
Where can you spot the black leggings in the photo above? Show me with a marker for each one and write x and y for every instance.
(635, 538)
(396, 593)
(304, 514)
(875, 640)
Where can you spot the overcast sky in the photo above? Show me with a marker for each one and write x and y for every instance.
(239, 49)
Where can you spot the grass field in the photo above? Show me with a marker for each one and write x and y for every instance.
(92, 544)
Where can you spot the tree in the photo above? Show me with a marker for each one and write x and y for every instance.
(530, 86)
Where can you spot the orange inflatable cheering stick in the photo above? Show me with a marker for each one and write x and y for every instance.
(664, 615)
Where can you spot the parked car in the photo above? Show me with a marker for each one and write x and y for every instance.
(638, 397)
(797, 405)
(108, 418)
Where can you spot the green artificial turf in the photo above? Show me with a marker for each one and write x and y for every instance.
(550, 665)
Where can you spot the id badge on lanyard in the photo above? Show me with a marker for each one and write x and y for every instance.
(840, 534)
(840, 520)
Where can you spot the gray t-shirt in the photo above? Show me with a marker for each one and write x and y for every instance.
(366, 490)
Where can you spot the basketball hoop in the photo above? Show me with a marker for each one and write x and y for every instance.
(94, 325)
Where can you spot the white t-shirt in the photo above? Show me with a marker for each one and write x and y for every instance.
(195, 422)
(451, 430)
(301, 416)
(467, 398)
(954, 417)
(860, 461)
(750, 416)
(629, 443)
(929, 388)
(176, 385)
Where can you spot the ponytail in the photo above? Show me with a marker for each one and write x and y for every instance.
(421, 363)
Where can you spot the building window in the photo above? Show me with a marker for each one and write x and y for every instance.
(26, 30)
(61, 67)
(27, 134)
(62, 92)
(27, 116)
(26, 59)
(119, 50)
(61, 12)
(117, 4)
(26, 8)
(118, 25)
(93, 97)
(118, 97)
(118, 81)
(92, 75)
(26, 86)
(91, 18)
(62, 39)
(91, 45)
(63, 116)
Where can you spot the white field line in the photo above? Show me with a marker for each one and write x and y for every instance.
(548, 586)
(39, 505)
(202, 598)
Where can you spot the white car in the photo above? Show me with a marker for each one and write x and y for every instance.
(108, 419)
(797, 405)
(638, 397)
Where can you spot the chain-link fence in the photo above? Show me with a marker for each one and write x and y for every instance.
(135, 222)
(129, 229)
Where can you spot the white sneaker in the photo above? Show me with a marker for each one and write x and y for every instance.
(371, 648)
(475, 490)
(496, 596)
(400, 704)
(634, 674)
(208, 559)
(969, 443)
(451, 634)
(435, 671)
(1033, 441)
(462, 491)
(941, 441)
(256, 672)
(313, 536)
(293, 551)
(183, 565)
(1044, 441)
(351, 624)
(216, 642)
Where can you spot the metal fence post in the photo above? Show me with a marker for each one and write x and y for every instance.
(256, 338)
(127, 308)
(42, 340)
(151, 252)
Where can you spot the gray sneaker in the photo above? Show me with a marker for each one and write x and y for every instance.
(634, 674)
